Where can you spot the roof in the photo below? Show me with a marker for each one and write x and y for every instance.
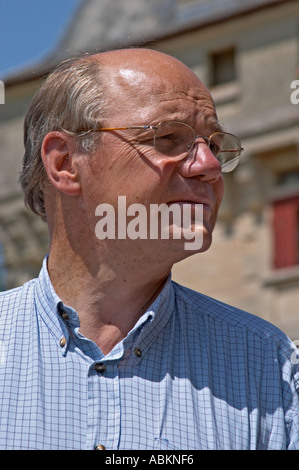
(100, 25)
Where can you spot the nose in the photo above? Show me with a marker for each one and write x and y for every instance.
(201, 162)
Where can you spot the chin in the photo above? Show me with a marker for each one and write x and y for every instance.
(192, 248)
(182, 249)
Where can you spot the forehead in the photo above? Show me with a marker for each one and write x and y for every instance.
(143, 94)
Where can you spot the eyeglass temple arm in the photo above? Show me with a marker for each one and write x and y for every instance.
(124, 128)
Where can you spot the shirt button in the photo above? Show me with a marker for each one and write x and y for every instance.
(137, 352)
(62, 342)
(100, 367)
(100, 447)
(65, 316)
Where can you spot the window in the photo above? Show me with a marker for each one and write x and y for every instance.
(277, 176)
(288, 178)
(222, 67)
(286, 232)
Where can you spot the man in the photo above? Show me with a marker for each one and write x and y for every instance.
(103, 350)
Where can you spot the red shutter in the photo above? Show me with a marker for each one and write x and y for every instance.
(286, 232)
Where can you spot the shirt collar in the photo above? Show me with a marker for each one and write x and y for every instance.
(54, 312)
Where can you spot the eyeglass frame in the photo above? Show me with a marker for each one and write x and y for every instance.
(155, 128)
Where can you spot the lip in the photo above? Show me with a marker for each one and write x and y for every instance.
(181, 202)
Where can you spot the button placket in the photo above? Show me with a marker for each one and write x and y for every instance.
(103, 406)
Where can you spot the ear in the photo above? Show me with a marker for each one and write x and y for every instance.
(57, 154)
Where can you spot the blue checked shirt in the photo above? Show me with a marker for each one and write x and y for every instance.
(193, 373)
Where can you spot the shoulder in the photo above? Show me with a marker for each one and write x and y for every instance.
(202, 307)
(232, 329)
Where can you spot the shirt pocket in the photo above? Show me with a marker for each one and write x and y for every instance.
(163, 444)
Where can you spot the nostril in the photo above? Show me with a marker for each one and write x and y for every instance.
(214, 180)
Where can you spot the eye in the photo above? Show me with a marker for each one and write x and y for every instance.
(169, 139)
(173, 137)
(215, 149)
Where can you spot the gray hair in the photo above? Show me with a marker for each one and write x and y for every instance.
(71, 98)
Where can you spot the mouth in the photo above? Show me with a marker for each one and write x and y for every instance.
(207, 207)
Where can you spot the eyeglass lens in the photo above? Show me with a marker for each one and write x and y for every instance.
(176, 139)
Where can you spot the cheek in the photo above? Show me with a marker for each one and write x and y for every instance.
(124, 171)
(219, 190)
(124, 161)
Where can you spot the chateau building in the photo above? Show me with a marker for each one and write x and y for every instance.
(247, 53)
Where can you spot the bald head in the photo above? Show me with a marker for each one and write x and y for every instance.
(136, 66)
(138, 77)
(147, 60)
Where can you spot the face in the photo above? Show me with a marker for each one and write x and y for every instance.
(147, 88)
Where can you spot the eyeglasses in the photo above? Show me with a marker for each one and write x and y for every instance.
(175, 140)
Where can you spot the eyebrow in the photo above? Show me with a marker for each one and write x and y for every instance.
(216, 127)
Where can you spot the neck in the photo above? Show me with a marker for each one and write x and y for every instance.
(109, 292)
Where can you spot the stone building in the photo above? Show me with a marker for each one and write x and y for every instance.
(248, 54)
